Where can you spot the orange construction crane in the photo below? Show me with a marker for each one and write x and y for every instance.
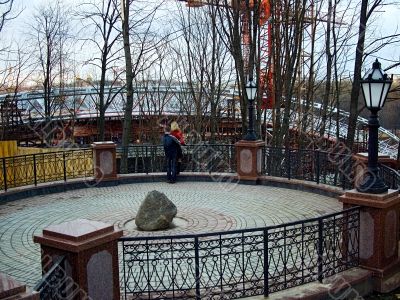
(266, 82)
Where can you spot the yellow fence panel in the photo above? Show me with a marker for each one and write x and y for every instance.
(45, 167)
(32, 150)
(8, 148)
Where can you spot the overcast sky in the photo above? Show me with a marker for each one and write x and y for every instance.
(387, 22)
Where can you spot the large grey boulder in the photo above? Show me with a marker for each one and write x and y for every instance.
(156, 212)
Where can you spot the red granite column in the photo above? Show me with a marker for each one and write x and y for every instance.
(12, 289)
(91, 251)
(379, 235)
(249, 159)
(104, 161)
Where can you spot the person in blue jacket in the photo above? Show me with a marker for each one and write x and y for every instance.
(171, 145)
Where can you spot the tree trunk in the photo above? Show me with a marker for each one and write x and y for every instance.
(355, 90)
(102, 108)
(325, 101)
(305, 119)
(101, 124)
(127, 127)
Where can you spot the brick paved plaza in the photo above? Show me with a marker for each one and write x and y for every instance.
(202, 207)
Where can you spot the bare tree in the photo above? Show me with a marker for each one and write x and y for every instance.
(342, 35)
(288, 19)
(156, 94)
(102, 19)
(219, 69)
(366, 12)
(240, 18)
(18, 68)
(138, 57)
(17, 71)
(205, 65)
(50, 29)
(329, 62)
(191, 59)
(126, 133)
(5, 11)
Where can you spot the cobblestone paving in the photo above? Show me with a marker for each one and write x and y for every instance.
(202, 207)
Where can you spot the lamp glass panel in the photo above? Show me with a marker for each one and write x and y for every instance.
(376, 91)
(377, 74)
(367, 95)
(250, 90)
(386, 88)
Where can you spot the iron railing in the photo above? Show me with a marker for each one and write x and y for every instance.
(196, 158)
(241, 263)
(45, 167)
(331, 168)
(390, 176)
(53, 283)
(318, 166)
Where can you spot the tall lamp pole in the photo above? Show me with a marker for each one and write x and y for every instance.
(251, 89)
(375, 87)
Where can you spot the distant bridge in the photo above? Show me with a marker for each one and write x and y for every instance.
(81, 103)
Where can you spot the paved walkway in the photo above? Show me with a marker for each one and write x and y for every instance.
(202, 207)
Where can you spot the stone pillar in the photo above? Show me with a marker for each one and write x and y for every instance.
(12, 289)
(91, 251)
(104, 161)
(379, 235)
(249, 159)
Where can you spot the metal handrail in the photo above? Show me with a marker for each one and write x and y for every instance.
(390, 176)
(240, 263)
(331, 168)
(238, 231)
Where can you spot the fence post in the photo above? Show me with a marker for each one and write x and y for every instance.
(104, 161)
(288, 160)
(64, 167)
(34, 170)
(394, 187)
(378, 235)
(197, 267)
(266, 264)
(343, 174)
(249, 159)
(320, 249)
(146, 162)
(5, 174)
(123, 259)
(211, 162)
(12, 289)
(318, 162)
(91, 250)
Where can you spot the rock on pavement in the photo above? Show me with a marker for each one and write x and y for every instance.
(156, 212)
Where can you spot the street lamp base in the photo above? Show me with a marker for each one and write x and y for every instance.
(373, 185)
(250, 136)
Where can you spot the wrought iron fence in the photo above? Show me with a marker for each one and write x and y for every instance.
(241, 263)
(390, 176)
(45, 167)
(332, 168)
(196, 158)
(53, 284)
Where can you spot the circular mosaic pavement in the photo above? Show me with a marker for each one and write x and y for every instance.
(202, 207)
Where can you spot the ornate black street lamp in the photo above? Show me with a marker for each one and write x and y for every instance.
(251, 89)
(375, 87)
